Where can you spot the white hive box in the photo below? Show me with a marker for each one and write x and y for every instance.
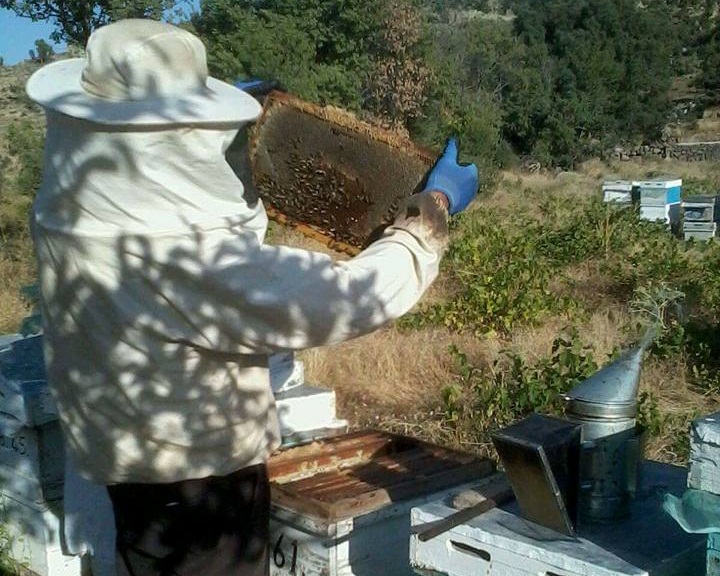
(36, 537)
(306, 413)
(31, 445)
(32, 461)
(341, 506)
(502, 543)
(618, 191)
(700, 217)
(286, 372)
(702, 231)
(26, 400)
(704, 467)
(703, 208)
(32, 464)
(668, 213)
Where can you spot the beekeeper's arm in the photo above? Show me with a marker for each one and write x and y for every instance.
(271, 298)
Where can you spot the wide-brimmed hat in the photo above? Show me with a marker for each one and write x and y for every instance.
(141, 72)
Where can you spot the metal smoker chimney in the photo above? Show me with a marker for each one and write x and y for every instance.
(605, 405)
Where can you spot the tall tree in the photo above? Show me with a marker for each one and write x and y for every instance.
(400, 74)
(606, 66)
(319, 49)
(75, 20)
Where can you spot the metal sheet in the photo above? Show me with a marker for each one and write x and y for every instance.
(541, 458)
(336, 177)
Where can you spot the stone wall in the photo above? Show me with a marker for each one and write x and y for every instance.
(687, 151)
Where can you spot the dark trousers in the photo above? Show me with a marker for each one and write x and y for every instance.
(215, 525)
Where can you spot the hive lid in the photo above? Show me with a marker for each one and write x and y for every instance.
(663, 182)
(612, 391)
(704, 199)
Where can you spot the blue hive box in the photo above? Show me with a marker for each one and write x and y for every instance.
(660, 191)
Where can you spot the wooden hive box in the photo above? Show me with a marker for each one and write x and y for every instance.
(341, 506)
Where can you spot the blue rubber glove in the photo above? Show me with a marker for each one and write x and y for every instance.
(458, 183)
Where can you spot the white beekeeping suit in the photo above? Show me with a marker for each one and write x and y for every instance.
(160, 300)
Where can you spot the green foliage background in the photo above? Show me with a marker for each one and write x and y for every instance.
(555, 84)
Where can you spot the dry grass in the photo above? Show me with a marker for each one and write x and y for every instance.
(678, 402)
(518, 192)
(650, 167)
(705, 129)
(388, 370)
(15, 272)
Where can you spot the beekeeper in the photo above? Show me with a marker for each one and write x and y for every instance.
(161, 302)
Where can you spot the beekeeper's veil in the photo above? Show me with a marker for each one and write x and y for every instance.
(136, 136)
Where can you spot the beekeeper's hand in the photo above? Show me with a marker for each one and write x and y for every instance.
(458, 183)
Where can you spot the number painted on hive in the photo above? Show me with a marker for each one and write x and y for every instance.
(14, 443)
(279, 557)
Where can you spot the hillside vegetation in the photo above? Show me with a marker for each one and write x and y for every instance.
(542, 283)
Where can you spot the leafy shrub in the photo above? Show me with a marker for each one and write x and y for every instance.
(501, 279)
(19, 179)
(25, 144)
(44, 51)
(482, 399)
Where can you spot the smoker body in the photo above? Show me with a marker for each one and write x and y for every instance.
(605, 406)
(610, 457)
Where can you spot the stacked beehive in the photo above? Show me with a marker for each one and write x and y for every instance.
(704, 473)
(701, 215)
(660, 200)
(31, 461)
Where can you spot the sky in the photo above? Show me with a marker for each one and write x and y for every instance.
(18, 35)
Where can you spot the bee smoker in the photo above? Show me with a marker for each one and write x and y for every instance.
(585, 467)
(605, 406)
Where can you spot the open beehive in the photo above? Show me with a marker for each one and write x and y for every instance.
(333, 176)
(354, 474)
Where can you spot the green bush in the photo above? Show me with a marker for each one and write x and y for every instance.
(25, 144)
(500, 278)
(20, 179)
(482, 399)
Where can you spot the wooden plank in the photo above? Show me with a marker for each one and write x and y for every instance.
(372, 499)
(387, 471)
(379, 479)
(319, 455)
(356, 473)
(493, 499)
(326, 479)
(304, 506)
(413, 488)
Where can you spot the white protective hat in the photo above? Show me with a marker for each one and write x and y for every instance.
(141, 72)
